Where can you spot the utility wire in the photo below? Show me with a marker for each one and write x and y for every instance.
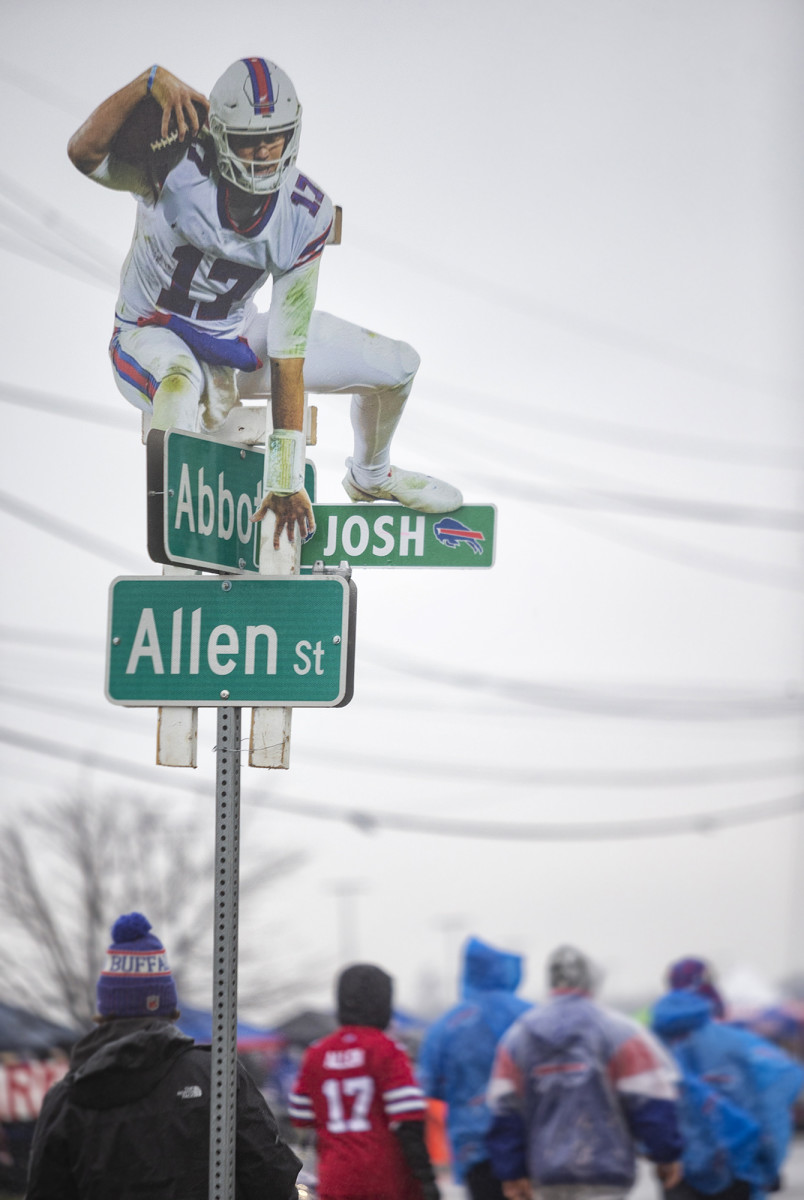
(499, 776)
(594, 489)
(654, 441)
(65, 406)
(648, 505)
(51, 241)
(66, 531)
(42, 90)
(589, 328)
(51, 640)
(698, 703)
(663, 704)
(371, 821)
(11, 242)
(28, 207)
(673, 550)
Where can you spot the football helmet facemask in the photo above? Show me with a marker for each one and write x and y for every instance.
(254, 97)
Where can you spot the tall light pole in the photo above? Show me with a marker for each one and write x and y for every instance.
(451, 925)
(346, 892)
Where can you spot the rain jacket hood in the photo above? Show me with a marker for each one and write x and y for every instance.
(679, 1013)
(364, 996)
(123, 1061)
(486, 969)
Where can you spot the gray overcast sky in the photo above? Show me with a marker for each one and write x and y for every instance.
(586, 218)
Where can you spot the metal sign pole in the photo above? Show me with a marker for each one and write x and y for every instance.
(223, 1067)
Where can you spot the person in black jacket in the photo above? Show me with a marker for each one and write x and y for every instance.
(132, 1115)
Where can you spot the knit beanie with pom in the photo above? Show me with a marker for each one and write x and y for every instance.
(136, 981)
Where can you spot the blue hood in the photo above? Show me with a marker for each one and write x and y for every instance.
(488, 970)
(679, 1013)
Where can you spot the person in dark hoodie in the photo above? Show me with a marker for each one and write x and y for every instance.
(454, 1063)
(132, 1115)
(356, 1090)
(577, 1091)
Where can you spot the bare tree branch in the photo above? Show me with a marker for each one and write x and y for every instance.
(68, 871)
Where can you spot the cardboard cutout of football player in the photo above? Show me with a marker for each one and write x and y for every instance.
(221, 207)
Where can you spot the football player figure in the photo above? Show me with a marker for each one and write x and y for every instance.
(232, 209)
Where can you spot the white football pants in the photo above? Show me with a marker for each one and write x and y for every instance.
(156, 371)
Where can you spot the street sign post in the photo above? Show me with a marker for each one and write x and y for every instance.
(254, 640)
(202, 494)
(388, 535)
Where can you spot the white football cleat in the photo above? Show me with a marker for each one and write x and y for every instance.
(424, 493)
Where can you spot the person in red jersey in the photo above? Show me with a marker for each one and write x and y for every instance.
(356, 1090)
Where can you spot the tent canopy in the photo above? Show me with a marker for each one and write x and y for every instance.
(197, 1023)
(30, 1036)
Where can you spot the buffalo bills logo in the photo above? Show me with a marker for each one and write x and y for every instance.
(454, 533)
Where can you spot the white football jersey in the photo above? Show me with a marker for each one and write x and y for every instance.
(188, 256)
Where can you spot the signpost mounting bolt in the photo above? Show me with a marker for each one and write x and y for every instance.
(336, 641)
(224, 694)
(226, 586)
(115, 641)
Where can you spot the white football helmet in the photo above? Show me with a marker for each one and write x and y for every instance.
(252, 97)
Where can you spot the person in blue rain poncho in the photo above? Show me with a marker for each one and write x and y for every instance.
(737, 1093)
(457, 1053)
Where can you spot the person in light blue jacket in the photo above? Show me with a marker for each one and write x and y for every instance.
(457, 1054)
(739, 1091)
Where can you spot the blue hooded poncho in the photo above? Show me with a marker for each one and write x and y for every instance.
(738, 1092)
(456, 1056)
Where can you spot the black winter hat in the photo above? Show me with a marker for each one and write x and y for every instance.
(364, 996)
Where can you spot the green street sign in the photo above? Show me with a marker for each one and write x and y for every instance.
(262, 641)
(388, 535)
(202, 494)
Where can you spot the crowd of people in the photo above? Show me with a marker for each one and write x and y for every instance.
(545, 1101)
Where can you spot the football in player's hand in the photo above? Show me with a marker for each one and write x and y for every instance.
(139, 139)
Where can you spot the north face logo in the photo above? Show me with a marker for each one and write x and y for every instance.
(190, 1093)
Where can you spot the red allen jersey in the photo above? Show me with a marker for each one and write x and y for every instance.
(353, 1088)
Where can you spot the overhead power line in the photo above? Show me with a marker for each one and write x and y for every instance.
(581, 325)
(674, 550)
(685, 702)
(28, 206)
(117, 416)
(459, 772)
(32, 253)
(66, 532)
(648, 504)
(655, 704)
(617, 433)
(51, 640)
(370, 821)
